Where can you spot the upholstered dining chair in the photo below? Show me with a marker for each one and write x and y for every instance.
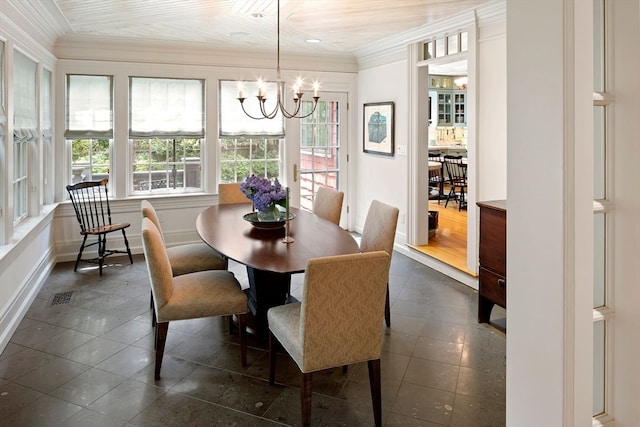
(336, 324)
(90, 200)
(188, 257)
(185, 258)
(188, 296)
(378, 234)
(231, 193)
(328, 204)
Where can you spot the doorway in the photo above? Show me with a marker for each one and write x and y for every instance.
(320, 159)
(447, 136)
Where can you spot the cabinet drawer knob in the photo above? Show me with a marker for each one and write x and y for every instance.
(502, 283)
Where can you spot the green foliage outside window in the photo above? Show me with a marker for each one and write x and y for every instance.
(243, 157)
(94, 153)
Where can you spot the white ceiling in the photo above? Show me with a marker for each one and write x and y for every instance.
(343, 26)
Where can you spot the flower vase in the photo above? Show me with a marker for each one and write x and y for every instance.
(272, 213)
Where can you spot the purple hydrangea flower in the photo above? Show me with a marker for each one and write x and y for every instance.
(263, 192)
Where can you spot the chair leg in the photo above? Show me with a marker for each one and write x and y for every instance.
(102, 248)
(126, 244)
(84, 240)
(387, 309)
(376, 393)
(305, 398)
(272, 358)
(463, 202)
(243, 338)
(161, 339)
(153, 311)
(451, 195)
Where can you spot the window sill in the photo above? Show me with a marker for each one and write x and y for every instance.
(26, 228)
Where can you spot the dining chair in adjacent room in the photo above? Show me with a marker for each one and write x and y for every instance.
(336, 324)
(188, 296)
(230, 193)
(378, 234)
(328, 204)
(187, 257)
(436, 175)
(90, 200)
(457, 180)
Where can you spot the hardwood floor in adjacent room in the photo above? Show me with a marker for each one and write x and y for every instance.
(449, 245)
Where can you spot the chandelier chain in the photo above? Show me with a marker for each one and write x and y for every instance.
(279, 105)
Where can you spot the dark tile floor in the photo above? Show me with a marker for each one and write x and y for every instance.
(83, 356)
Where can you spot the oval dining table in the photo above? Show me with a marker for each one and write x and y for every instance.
(270, 262)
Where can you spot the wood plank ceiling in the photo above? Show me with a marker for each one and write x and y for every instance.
(343, 26)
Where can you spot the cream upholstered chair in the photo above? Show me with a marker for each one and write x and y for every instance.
(378, 234)
(336, 324)
(188, 257)
(231, 193)
(328, 204)
(188, 296)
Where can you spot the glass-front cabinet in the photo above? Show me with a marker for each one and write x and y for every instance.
(448, 100)
(444, 108)
(460, 108)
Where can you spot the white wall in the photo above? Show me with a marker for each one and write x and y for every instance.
(28, 255)
(24, 266)
(549, 214)
(491, 108)
(381, 177)
(488, 147)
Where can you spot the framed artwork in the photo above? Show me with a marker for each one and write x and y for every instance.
(378, 128)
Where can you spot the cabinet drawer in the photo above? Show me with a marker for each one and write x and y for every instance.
(493, 240)
(493, 287)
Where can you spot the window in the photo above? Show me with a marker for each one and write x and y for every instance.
(248, 146)
(89, 126)
(3, 110)
(47, 136)
(25, 122)
(166, 119)
(319, 149)
(603, 309)
(446, 45)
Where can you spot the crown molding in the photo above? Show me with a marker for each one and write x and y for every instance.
(41, 19)
(100, 48)
(394, 48)
(35, 45)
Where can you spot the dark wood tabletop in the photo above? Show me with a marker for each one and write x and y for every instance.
(223, 228)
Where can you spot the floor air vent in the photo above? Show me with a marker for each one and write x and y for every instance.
(62, 298)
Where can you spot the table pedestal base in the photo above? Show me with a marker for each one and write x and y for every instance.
(266, 289)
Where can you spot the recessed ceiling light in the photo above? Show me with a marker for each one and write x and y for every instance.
(313, 40)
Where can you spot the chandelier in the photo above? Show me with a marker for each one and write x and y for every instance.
(297, 94)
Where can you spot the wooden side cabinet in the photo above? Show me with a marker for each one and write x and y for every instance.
(493, 258)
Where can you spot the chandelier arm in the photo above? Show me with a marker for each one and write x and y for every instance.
(245, 111)
(270, 115)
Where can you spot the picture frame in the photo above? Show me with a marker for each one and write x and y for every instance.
(378, 128)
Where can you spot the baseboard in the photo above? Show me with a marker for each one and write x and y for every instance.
(25, 296)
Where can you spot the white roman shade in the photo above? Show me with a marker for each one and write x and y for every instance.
(3, 113)
(89, 107)
(47, 113)
(25, 120)
(234, 122)
(166, 108)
